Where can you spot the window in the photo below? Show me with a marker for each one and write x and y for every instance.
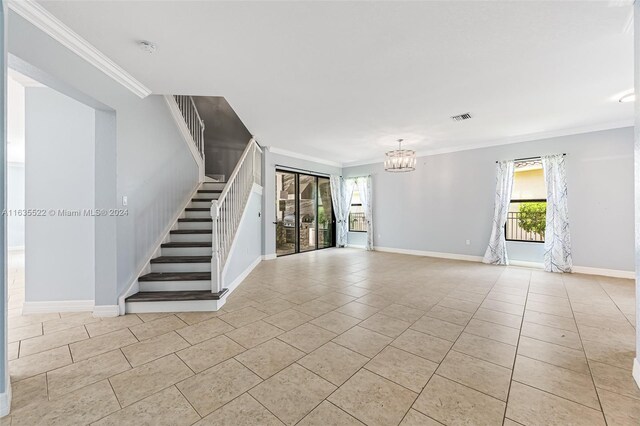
(356, 214)
(526, 219)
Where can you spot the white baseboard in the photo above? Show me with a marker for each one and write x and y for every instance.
(358, 246)
(5, 397)
(105, 311)
(176, 306)
(615, 273)
(440, 255)
(269, 256)
(636, 371)
(232, 286)
(57, 306)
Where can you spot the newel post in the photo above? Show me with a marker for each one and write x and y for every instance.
(216, 284)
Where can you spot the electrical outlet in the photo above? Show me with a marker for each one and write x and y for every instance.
(124, 200)
(468, 242)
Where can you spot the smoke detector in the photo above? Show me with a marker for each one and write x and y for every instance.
(147, 46)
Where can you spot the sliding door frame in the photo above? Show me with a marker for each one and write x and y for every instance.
(297, 174)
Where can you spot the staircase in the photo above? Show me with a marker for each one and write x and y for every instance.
(180, 278)
(189, 273)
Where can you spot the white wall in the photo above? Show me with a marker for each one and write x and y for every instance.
(15, 162)
(15, 121)
(15, 201)
(449, 199)
(247, 248)
(59, 174)
(155, 168)
(271, 162)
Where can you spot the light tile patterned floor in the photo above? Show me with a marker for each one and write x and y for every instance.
(342, 337)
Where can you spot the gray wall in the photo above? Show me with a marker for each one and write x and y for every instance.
(271, 162)
(15, 201)
(157, 173)
(3, 203)
(59, 174)
(155, 168)
(225, 136)
(449, 198)
(636, 13)
(248, 240)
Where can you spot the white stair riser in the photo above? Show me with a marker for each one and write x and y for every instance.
(198, 214)
(190, 238)
(175, 285)
(213, 185)
(186, 251)
(200, 204)
(181, 267)
(174, 306)
(195, 225)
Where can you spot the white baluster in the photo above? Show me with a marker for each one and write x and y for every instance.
(216, 285)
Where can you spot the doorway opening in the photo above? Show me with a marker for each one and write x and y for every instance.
(304, 213)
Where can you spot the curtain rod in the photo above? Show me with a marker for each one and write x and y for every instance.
(356, 177)
(295, 169)
(531, 158)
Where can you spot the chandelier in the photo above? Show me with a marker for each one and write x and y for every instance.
(400, 160)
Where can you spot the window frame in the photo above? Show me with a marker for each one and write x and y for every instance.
(523, 200)
(350, 213)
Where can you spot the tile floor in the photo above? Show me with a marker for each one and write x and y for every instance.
(342, 337)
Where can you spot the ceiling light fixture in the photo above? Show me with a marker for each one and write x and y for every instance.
(147, 46)
(629, 97)
(400, 160)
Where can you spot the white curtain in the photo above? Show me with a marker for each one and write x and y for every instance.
(341, 192)
(557, 241)
(497, 251)
(364, 188)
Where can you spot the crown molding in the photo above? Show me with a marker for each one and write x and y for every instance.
(510, 140)
(56, 29)
(279, 151)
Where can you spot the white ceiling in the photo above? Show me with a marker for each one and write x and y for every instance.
(343, 80)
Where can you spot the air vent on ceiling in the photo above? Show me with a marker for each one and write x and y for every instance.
(461, 117)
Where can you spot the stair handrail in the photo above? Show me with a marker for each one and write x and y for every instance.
(192, 119)
(227, 210)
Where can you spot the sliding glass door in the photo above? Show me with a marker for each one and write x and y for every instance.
(286, 213)
(308, 216)
(304, 214)
(325, 214)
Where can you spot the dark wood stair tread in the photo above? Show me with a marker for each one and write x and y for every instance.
(202, 200)
(181, 259)
(187, 244)
(176, 276)
(195, 219)
(171, 296)
(191, 231)
(197, 209)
